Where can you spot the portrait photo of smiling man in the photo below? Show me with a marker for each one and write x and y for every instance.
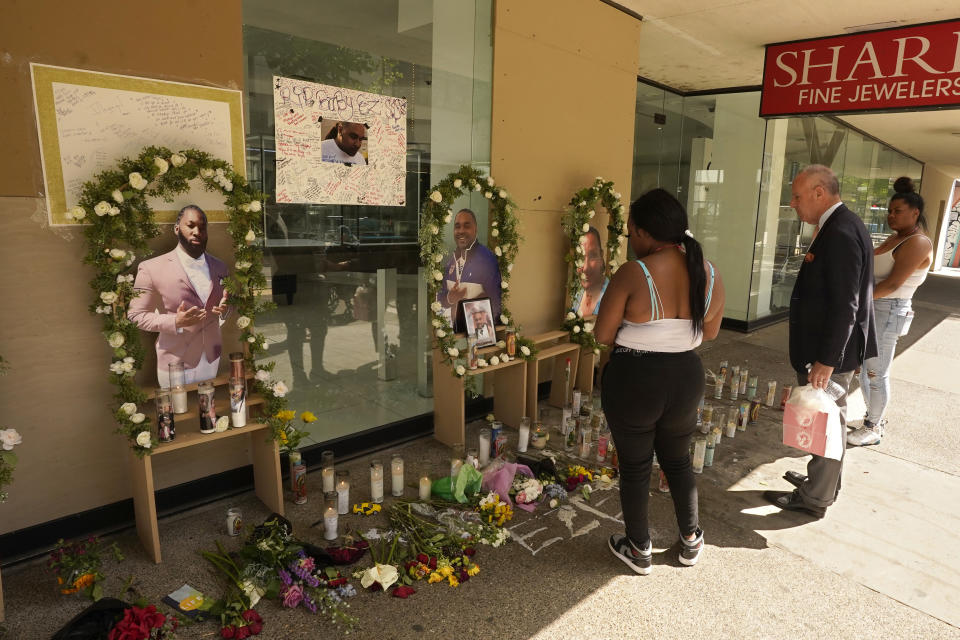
(472, 270)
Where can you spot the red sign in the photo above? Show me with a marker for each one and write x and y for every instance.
(906, 68)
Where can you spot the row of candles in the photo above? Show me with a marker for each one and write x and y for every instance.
(336, 488)
(172, 400)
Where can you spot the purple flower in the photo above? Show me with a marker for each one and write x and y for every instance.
(292, 596)
(285, 577)
(309, 603)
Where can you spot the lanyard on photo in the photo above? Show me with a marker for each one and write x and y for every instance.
(460, 263)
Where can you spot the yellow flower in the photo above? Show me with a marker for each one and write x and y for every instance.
(453, 581)
(308, 417)
(434, 577)
(283, 437)
(445, 572)
(474, 570)
(287, 415)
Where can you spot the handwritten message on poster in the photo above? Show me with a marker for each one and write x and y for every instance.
(89, 121)
(339, 146)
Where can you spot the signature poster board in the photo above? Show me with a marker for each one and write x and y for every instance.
(88, 121)
(339, 146)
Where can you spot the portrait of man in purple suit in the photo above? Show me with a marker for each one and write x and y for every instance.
(181, 298)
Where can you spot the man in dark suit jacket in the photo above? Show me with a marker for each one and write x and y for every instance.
(831, 319)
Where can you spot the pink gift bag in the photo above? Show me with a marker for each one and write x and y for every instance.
(811, 423)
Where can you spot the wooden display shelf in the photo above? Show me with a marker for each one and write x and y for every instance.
(219, 381)
(557, 391)
(265, 454)
(549, 336)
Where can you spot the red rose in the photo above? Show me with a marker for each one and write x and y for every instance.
(228, 632)
(433, 563)
(256, 628)
(422, 558)
(469, 551)
(403, 592)
(242, 632)
(251, 616)
(337, 582)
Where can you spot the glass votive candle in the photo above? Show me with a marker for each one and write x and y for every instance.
(524, 440)
(396, 475)
(238, 402)
(166, 431)
(472, 458)
(484, 452)
(376, 481)
(237, 366)
(206, 407)
(330, 499)
(326, 466)
(343, 492)
(425, 487)
(330, 522)
(178, 387)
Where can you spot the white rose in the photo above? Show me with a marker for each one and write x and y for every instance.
(436, 323)
(503, 194)
(117, 196)
(137, 181)
(241, 265)
(434, 229)
(453, 351)
(504, 357)
(583, 203)
(576, 328)
(438, 275)
(438, 258)
(571, 315)
(178, 160)
(586, 227)
(10, 438)
(77, 213)
(578, 263)
(509, 267)
(580, 249)
(255, 206)
(498, 250)
(245, 207)
(525, 350)
(441, 333)
(143, 439)
(114, 211)
(251, 237)
(262, 375)
(592, 213)
(251, 339)
(128, 408)
(116, 367)
(127, 367)
(502, 344)
(161, 165)
(137, 418)
(487, 195)
(228, 186)
(108, 297)
(495, 232)
(243, 322)
(616, 194)
(102, 208)
(280, 389)
(128, 359)
(116, 339)
(588, 327)
(493, 224)
(553, 503)
(436, 306)
(206, 173)
(481, 363)
(494, 361)
(458, 183)
(219, 172)
(476, 187)
(447, 218)
(222, 424)
(596, 351)
(504, 319)
(436, 196)
(490, 181)
(460, 370)
(504, 284)
(118, 254)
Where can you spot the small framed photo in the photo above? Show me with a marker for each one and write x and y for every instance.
(478, 318)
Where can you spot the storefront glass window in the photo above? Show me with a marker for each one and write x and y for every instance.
(348, 333)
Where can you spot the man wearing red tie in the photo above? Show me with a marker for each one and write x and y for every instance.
(181, 297)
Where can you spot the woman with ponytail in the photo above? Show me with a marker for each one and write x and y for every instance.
(655, 312)
(900, 265)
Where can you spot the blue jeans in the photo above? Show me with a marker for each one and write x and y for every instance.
(892, 317)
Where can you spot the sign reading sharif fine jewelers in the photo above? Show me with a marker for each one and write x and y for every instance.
(339, 146)
(907, 68)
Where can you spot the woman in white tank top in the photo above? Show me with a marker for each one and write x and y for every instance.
(900, 265)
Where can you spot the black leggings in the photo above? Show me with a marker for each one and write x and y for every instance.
(650, 400)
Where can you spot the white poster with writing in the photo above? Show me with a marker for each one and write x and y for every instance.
(339, 146)
(89, 121)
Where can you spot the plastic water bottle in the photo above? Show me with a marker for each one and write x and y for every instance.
(833, 389)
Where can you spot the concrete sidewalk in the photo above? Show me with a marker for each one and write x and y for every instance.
(880, 565)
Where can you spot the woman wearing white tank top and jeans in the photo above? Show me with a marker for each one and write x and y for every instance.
(654, 313)
(900, 265)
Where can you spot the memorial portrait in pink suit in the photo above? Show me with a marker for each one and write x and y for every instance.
(182, 298)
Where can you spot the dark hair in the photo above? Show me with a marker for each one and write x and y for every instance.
(472, 214)
(904, 190)
(191, 207)
(664, 218)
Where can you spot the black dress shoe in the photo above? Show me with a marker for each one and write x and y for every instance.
(791, 501)
(795, 478)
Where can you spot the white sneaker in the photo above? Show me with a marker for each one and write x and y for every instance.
(868, 434)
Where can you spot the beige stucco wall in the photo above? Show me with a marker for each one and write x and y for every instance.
(57, 393)
(935, 188)
(564, 89)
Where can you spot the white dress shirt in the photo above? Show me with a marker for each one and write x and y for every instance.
(198, 271)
